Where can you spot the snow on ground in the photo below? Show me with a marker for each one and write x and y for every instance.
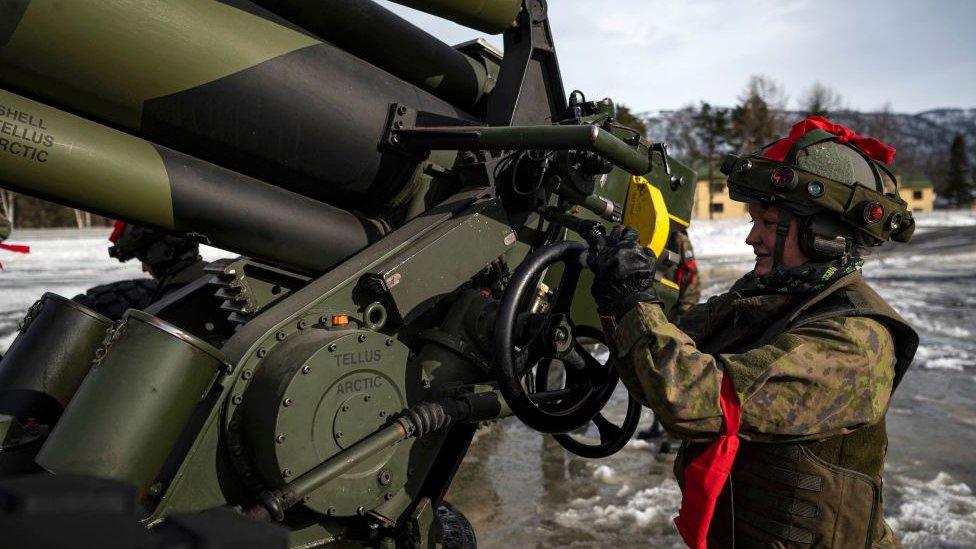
(937, 513)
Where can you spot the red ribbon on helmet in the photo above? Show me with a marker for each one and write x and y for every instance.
(708, 472)
(867, 145)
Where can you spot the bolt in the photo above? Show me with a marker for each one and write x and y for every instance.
(330, 511)
(286, 473)
(388, 496)
(156, 489)
(280, 438)
(398, 124)
(402, 109)
(345, 407)
(246, 374)
(324, 320)
(382, 413)
(306, 499)
(306, 369)
(410, 472)
(366, 398)
(280, 336)
(262, 352)
(332, 347)
(338, 434)
(362, 338)
(395, 139)
(385, 477)
(287, 402)
(302, 324)
(237, 399)
(389, 341)
(361, 510)
(561, 334)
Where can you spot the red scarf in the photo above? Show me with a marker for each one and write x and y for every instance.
(867, 145)
(706, 475)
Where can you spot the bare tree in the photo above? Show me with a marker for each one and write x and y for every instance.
(883, 125)
(83, 219)
(627, 118)
(758, 119)
(820, 100)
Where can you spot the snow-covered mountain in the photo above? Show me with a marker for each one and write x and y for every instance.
(922, 140)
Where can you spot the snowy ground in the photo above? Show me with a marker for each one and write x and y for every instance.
(520, 489)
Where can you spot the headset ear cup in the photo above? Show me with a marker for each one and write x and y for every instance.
(823, 239)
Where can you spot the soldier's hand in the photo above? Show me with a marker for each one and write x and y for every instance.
(623, 272)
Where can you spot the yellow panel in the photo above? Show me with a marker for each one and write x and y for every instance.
(646, 211)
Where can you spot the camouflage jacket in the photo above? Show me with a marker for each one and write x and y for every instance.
(826, 378)
(684, 273)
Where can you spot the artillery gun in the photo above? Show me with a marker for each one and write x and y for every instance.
(409, 218)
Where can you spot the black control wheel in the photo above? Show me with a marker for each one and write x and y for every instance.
(612, 437)
(527, 344)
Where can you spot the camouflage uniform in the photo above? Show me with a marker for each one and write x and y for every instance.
(803, 358)
(815, 381)
(684, 274)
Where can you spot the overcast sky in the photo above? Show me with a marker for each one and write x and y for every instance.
(656, 54)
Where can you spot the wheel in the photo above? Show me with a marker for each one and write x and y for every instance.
(115, 298)
(612, 437)
(457, 532)
(527, 346)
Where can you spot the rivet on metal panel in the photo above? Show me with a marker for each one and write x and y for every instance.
(287, 402)
(280, 336)
(262, 352)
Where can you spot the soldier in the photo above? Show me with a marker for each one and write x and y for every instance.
(173, 261)
(684, 273)
(798, 359)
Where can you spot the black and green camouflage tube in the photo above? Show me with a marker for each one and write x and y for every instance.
(377, 35)
(225, 81)
(54, 155)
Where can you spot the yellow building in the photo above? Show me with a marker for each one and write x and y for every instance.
(712, 202)
(917, 190)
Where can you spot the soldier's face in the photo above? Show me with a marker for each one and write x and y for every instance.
(762, 238)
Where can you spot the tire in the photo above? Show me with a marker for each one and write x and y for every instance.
(457, 531)
(114, 299)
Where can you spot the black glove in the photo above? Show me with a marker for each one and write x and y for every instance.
(623, 272)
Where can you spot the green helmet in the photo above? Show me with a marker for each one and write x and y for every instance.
(846, 198)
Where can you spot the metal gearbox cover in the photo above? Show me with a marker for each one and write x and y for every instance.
(318, 393)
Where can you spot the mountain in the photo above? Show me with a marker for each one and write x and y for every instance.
(922, 140)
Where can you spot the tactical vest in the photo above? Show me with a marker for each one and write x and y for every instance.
(824, 493)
